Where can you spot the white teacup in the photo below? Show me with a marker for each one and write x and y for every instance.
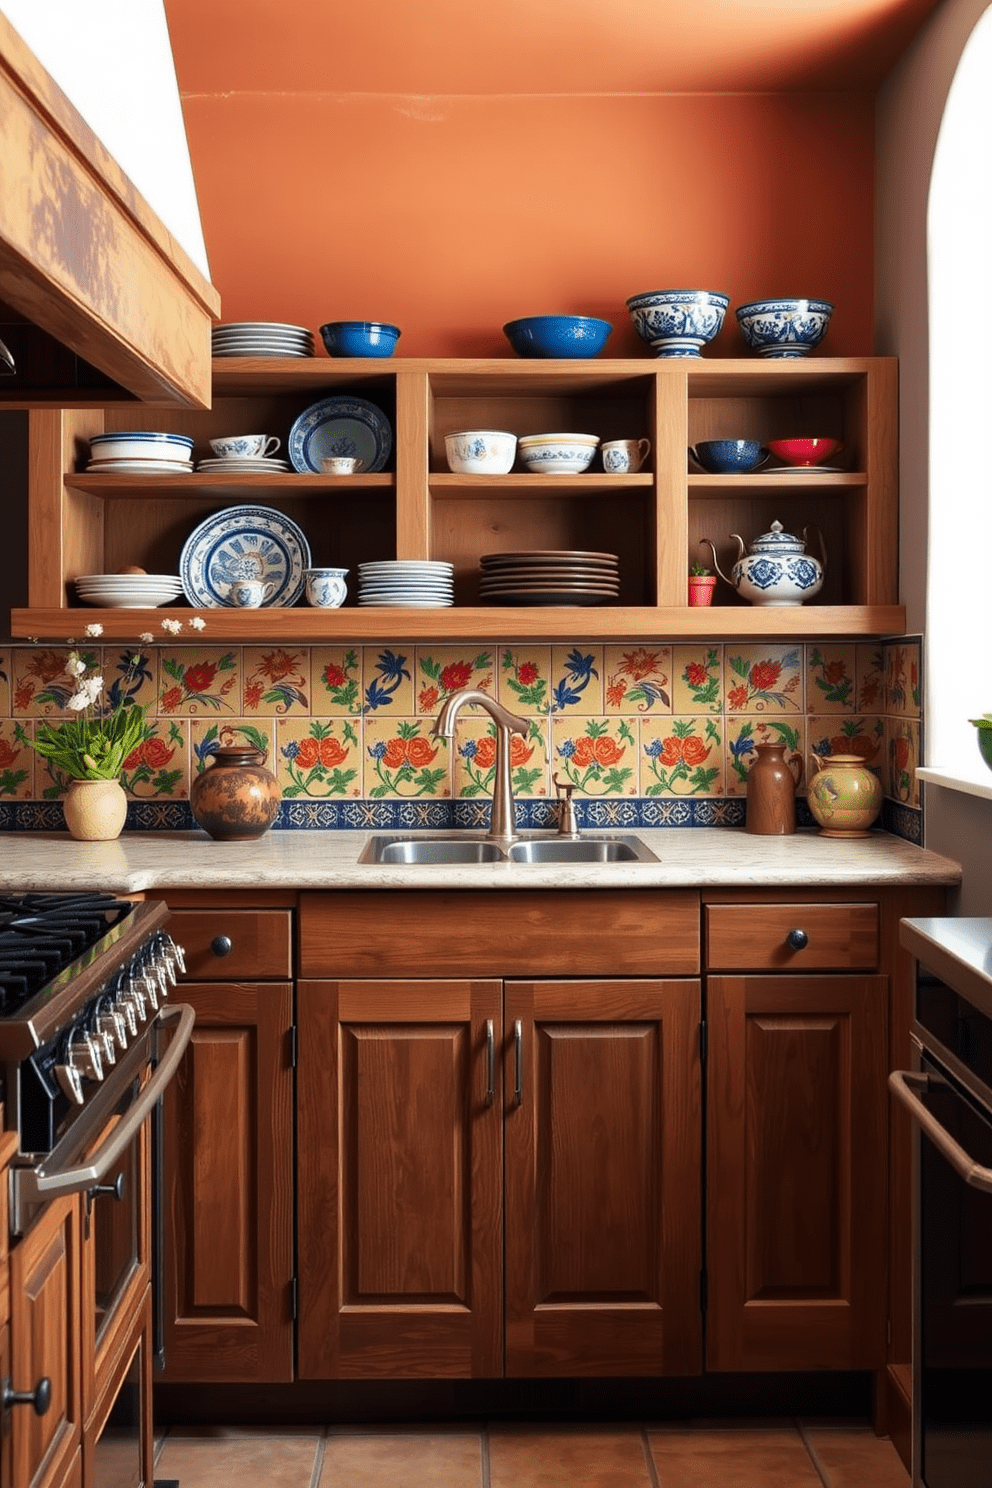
(245, 446)
(249, 594)
(624, 456)
(326, 588)
(341, 465)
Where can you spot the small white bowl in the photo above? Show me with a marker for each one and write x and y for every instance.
(480, 451)
(558, 454)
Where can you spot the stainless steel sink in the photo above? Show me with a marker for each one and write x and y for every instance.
(620, 849)
(428, 850)
(406, 851)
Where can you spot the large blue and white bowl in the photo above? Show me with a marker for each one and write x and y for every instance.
(557, 335)
(140, 445)
(784, 328)
(678, 322)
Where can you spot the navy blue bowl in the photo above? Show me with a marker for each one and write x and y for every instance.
(359, 338)
(557, 335)
(729, 456)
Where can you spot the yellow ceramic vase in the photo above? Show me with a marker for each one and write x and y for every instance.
(844, 795)
(95, 810)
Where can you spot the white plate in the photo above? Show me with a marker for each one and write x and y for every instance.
(245, 466)
(801, 470)
(225, 326)
(244, 542)
(406, 565)
(139, 467)
(407, 604)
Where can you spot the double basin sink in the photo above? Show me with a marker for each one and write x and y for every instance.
(466, 849)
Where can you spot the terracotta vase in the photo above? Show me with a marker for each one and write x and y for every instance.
(95, 810)
(236, 799)
(844, 795)
(771, 793)
(701, 587)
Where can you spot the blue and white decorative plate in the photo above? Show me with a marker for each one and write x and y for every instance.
(244, 542)
(340, 426)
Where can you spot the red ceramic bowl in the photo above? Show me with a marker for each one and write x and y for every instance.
(804, 451)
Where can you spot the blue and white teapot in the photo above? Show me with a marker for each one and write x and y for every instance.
(776, 569)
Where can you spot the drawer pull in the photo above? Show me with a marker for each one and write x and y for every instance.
(518, 1040)
(222, 945)
(40, 1397)
(798, 940)
(490, 1062)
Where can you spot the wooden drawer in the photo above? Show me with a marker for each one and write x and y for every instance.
(756, 937)
(234, 944)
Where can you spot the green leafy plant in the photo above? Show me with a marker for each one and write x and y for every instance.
(700, 571)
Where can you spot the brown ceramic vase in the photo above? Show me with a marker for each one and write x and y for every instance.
(771, 793)
(236, 798)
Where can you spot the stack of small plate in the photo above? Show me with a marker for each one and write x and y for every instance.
(128, 591)
(549, 576)
(244, 465)
(411, 582)
(261, 338)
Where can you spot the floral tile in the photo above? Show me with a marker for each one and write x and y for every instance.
(206, 736)
(637, 679)
(319, 757)
(388, 681)
(831, 679)
(525, 679)
(39, 682)
(197, 680)
(697, 678)
(827, 735)
(902, 750)
(597, 755)
(870, 673)
(682, 757)
(474, 758)
(742, 734)
(5, 675)
(577, 679)
(336, 673)
(158, 769)
(275, 681)
(764, 679)
(402, 758)
(443, 670)
(902, 678)
(17, 761)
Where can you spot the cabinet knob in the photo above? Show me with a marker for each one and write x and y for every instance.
(40, 1397)
(797, 940)
(115, 1189)
(222, 945)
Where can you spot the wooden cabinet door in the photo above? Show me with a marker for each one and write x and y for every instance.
(229, 1188)
(400, 1212)
(603, 1185)
(796, 1172)
(45, 1342)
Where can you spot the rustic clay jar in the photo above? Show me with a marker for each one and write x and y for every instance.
(95, 810)
(844, 795)
(771, 793)
(236, 798)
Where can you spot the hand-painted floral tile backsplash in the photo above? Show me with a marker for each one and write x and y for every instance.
(643, 734)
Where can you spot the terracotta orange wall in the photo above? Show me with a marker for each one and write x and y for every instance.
(451, 215)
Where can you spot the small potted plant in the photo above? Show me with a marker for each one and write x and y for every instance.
(984, 727)
(702, 582)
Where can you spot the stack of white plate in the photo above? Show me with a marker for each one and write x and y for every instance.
(406, 582)
(128, 591)
(549, 576)
(261, 338)
(245, 465)
(140, 452)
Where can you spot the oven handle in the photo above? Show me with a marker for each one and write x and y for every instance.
(904, 1084)
(35, 1185)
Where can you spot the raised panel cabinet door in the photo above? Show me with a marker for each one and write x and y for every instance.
(45, 1343)
(796, 1172)
(400, 1220)
(603, 1178)
(229, 1188)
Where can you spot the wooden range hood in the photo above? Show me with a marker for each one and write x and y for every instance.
(98, 302)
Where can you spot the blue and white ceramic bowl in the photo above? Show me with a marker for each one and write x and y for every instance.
(480, 451)
(557, 335)
(140, 445)
(557, 454)
(784, 328)
(359, 338)
(728, 456)
(678, 322)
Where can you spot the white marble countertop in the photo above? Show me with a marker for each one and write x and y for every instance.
(696, 857)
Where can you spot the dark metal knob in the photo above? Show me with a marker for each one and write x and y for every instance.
(40, 1397)
(222, 945)
(797, 940)
(116, 1189)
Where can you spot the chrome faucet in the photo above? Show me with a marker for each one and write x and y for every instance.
(502, 821)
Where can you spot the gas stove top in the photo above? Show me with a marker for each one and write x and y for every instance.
(42, 934)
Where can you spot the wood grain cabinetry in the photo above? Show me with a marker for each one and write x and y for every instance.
(416, 508)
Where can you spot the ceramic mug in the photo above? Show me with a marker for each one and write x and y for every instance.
(249, 594)
(341, 465)
(624, 456)
(245, 446)
(326, 587)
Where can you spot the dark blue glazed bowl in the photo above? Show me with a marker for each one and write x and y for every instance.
(557, 335)
(359, 338)
(729, 456)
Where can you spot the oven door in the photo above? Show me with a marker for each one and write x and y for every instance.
(953, 1329)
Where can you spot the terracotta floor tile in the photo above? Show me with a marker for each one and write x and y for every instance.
(758, 1457)
(391, 1459)
(852, 1457)
(216, 1457)
(568, 1457)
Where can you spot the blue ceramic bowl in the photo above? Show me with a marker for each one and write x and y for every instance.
(557, 335)
(678, 322)
(728, 456)
(784, 328)
(359, 338)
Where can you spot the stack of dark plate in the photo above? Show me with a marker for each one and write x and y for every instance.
(261, 338)
(549, 576)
